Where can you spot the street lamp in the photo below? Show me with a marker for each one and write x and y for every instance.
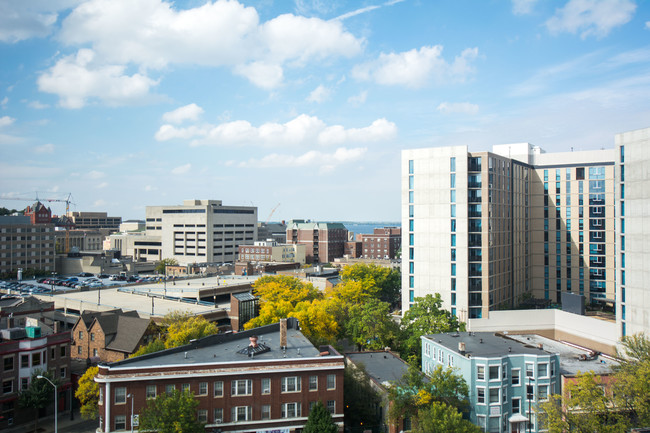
(52, 284)
(56, 403)
(131, 422)
(530, 397)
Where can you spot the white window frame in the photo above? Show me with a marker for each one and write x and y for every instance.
(121, 419)
(480, 372)
(202, 415)
(120, 395)
(331, 406)
(504, 372)
(498, 375)
(498, 395)
(539, 393)
(241, 413)
(532, 370)
(266, 411)
(245, 384)
(313, 383)
(170, 388)
(291, 384)
(266, 386)
(517, 375)
(518, 406)
(546, 376)
(478, 395)
(291, 408)
(217, 413)
(151, 391)
(331, 381)
(203, 389)
(218, 388)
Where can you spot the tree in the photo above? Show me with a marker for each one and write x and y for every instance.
(190, 328)
(440, 417)
(162, 265)
(171, 413)
(156, 345)
(370, 325)
(425, 317)
(320, 420)
(388, 281)
(88, 394)
(38, 395)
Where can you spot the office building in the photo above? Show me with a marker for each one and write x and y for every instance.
(264, 379)
(94, 221)
(382, 243)
(25, 245)
(272, 251)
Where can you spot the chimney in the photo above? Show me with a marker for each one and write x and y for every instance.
(283, 333)
(253, 340)
(540, 346)
(461, 347)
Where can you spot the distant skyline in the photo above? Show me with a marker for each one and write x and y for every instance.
(299, 106)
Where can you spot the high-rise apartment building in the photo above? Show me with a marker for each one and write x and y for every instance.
(488, 229)
(25, 245)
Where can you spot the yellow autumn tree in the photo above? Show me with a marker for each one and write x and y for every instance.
(88, 394)
(181, 331)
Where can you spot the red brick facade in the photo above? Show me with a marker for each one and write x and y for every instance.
(324, 241)
(382, 244)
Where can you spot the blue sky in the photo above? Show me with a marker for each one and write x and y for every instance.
(305, 104)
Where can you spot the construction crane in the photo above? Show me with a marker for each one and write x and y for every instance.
(66, 222)
(271, 214)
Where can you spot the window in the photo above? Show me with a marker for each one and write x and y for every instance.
(95, 353)
(290, 384)
(504, 372)
(542, 370)
(241, 387)
(494, 372)
(79, 350)
(62, 372)
(530, 392)
(480, 372)
(480, 395)
(331, 406)
(529, 369)
(203, 390)
(185, 387)
(24, 361)
(120, 422)
(543, 392)
(9, 363)
(202, 415)
(36, 359)
(170, 388)
(516, 405)
(515, 377)
(120, 395)
(331, 381)
(290, 410)
(151, 391)
(494, 395)
(63, 352)
(24, 383)
(92, 336)
(266, 386)
(218, 388)
(218, 415)
(7, 386)
(266, 411)
(241, 413)
(81, 335)
(313, 383)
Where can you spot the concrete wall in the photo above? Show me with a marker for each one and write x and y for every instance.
(585, 331)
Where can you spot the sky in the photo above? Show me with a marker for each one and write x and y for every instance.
(300, 108)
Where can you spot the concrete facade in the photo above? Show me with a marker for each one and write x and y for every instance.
(271, 251)
(94, 221)
(486, 230)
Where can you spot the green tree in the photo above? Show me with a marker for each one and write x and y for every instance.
(161, 265)
(173, 412)
(632, 379)
(88, 394)
(320, 420)
(156, 345)
(425, 317)
(190, 328)
(388, 281)
(440, 417)
(370, 325)
(38, 395)
(360, 399)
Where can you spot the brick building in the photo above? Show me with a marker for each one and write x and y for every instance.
(263, 379)
(25, 352)
(25, 245)
(110, 336)
(324, 241)
(38, 213)
(383, 243)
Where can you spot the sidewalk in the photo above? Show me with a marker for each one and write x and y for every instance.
(46, 424)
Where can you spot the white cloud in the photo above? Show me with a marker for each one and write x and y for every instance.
(102, 185)
(182, 169)
(358, 99)
(6, 121)
(591, 17)
(4, 101)
(45, 148)
(37, 105)
(20, 19)
(417, 68)
(458, 107)
(95, 174)
(302, 130)
(522, 7)
(647, 25)
(319, 94)
(325, 161)
(153, 34)
(99, 203)
(75, 79)
(187, 112)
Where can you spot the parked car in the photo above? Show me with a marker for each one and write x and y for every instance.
(85, 274)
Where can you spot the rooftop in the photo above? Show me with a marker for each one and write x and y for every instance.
(224, 348)
(383, 367)
(485, 344)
